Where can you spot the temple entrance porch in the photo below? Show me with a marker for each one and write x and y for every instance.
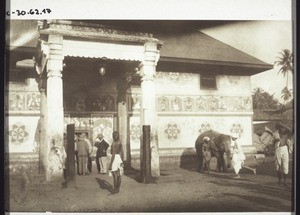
(96, 97)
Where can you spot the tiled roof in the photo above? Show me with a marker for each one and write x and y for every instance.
(260, 115)
(200, 47)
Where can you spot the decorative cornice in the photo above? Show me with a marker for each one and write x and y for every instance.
(94, 31)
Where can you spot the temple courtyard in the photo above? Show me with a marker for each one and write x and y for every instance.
(177, 190)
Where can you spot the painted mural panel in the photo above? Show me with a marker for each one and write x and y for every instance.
(135, 132)
(82, 102)
(134, 102)
(203, 103)
(23, 134)
(24, 101)
(189, 83)
(177, 83)
(96, 123)
(182, 131)
(103, 125)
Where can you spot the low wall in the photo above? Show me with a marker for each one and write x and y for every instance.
(18, 163)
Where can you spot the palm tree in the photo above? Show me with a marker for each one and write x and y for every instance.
(258, 90)
(286, 94)
(263, 100)
(286, 62)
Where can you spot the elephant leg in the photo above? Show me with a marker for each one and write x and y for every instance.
(220, 163)
(207, 165)
(218, 169)
(223, 163)
(200, 164)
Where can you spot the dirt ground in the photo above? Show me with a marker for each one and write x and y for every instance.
(177, 190)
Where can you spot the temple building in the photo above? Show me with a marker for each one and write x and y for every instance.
(106, 76)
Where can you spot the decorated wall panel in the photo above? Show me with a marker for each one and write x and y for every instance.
(22, 134)
(195, 103)
(24, 101)
(203, 103)
(135, 132)
(95, 123)
(104, 125)
(182, 131)
(82, 102)
(189, 83)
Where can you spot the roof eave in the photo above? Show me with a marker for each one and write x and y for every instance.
(256, 68)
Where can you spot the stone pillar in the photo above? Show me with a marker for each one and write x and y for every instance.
(54, 110)
(42, 139)
(149, 111)
(123, 127)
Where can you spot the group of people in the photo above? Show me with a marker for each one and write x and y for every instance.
(84, 148)
(283, 147)
(83, 153)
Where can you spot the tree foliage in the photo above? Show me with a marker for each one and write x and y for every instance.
(263, 100)
(286, 63)
(287, 94)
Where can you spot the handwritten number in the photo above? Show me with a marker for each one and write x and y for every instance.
(31, 12)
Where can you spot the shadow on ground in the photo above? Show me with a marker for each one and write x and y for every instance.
(188, 162)
(104, 185)
(270, 189)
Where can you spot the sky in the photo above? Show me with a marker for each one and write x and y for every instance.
(263, 40)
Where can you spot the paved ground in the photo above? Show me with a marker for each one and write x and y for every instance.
(177, 190)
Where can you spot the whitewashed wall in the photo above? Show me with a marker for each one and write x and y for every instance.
(185, 111)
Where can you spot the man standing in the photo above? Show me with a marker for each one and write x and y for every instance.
(83, 151)
(238, 156)
(102, 146)
(89, 158)
(116, 163)
(282, 149)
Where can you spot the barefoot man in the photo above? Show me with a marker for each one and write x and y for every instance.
(282, 150)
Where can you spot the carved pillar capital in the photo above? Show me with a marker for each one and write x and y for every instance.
(151, 57)
(55, 56)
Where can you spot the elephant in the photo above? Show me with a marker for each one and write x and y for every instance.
(220, 144)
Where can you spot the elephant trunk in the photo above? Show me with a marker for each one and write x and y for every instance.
(228, 158)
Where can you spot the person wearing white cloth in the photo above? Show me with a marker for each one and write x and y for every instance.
(282, 149)
(238, 157)
(116, 164)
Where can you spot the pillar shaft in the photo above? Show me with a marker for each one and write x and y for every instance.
(42, 139)
(123, 129)
(54, 111)
(149, 112)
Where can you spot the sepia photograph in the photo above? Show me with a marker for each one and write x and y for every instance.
(148, 115)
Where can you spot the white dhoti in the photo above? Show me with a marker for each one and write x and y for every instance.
(237, 161)
(117, 164)
(282, 159)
